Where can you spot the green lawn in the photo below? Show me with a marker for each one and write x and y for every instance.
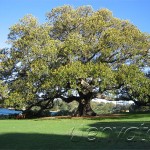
(124, 132)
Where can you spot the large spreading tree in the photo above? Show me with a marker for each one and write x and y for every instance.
(75, 55)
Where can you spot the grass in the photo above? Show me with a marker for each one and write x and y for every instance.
(126, 131)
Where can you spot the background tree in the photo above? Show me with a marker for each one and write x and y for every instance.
(77, 54)
(3, 85)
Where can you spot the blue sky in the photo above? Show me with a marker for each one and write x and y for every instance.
(137, 11)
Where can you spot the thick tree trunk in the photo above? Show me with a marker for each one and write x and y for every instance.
(84, 109)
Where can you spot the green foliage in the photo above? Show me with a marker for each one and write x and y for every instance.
(135, 81)
(65, 108)
(141, 109)
(3, 90)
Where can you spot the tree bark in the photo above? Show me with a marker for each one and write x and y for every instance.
(84, 108)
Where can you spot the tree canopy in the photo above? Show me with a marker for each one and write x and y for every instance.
(77, 54)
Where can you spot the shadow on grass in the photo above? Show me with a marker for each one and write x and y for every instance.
(120, 116)
(120, 135)
(22, 141)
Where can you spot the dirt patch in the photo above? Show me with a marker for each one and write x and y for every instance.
(87, 117)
